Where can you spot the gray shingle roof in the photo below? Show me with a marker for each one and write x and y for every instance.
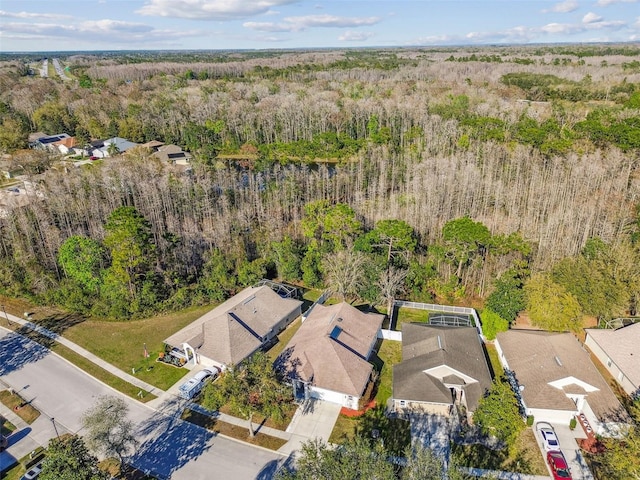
(434, 356)
(231, 331)
(538, 358)
(329, 357)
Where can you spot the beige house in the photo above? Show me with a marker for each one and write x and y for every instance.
(236, 328)
(328, 356)
(557, 380)
(441, 367)
(172, 154)
(619, 352)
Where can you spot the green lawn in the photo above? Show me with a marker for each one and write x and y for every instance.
(283, 339)
(395, 432)
(122, 343)
(404, 315)
(389, 354)
(21, 467)
(495, 361)
(524, 458)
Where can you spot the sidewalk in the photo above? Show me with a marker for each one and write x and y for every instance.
(313, 419)
(88, 355)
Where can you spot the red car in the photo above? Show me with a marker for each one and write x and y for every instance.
(558, 464)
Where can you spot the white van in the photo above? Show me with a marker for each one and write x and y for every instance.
(192, 387)
(33, 472)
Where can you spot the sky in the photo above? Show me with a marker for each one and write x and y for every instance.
(80, 25)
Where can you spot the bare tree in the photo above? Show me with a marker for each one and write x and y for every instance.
(344, 272)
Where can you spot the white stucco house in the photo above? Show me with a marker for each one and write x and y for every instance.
(237, 328)
(328, 357)
(557, 380)
(619, 352)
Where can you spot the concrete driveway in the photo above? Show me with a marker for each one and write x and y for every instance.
(568, 440)
(169, 447)
(313, 419)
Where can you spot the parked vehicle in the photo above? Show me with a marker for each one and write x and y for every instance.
(33, 472)
(559, 466)
(194, 385)
(548, 436)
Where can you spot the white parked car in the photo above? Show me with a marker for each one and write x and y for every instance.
(192, 387)
(33, 472)
(548, 436)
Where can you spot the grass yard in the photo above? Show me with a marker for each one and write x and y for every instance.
(25, 411)
(389, 354)
(23, 465)
(7, 428)
(496, 366)
(283, 339)
(122, 343)
(395, 432)
(233, 431)
(525, 457)
(405, 315)
(268, 422)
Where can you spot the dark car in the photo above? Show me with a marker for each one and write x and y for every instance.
(558, 464)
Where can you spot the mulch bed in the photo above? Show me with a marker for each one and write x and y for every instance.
(348, 412)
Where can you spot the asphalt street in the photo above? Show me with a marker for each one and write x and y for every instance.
(169, 447)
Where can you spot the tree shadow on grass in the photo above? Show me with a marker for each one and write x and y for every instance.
(58, 323)
(17, 350)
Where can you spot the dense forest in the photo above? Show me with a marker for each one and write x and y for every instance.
(507, 176)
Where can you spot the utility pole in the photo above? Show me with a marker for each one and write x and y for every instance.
(53, 420)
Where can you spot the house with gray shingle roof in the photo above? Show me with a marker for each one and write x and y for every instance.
(235, 329)
(619, 352)
(328, 357)
(557, 380)
(441, 367)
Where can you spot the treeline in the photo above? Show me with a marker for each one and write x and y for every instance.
(403, 140)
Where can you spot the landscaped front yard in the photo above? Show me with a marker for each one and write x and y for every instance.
(122, 343)
(525, 456)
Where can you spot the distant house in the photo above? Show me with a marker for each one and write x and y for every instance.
(441, 367)
(115, 144)
(327, 358)
(173, 154)
(236, 328)
(558, 381)
(48, 142)
(66, 145)
(619, 352)
(153, 145)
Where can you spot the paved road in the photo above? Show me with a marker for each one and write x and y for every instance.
(170, 447)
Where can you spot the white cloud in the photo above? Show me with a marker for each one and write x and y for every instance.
(351, 36)
(591, 17)
(29, 15)
(563, 7)
(604, 3)
(210, 9)
(99, 31)
(297, 24)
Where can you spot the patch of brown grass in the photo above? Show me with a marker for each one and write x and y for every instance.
(233, 431)
(15, 402)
